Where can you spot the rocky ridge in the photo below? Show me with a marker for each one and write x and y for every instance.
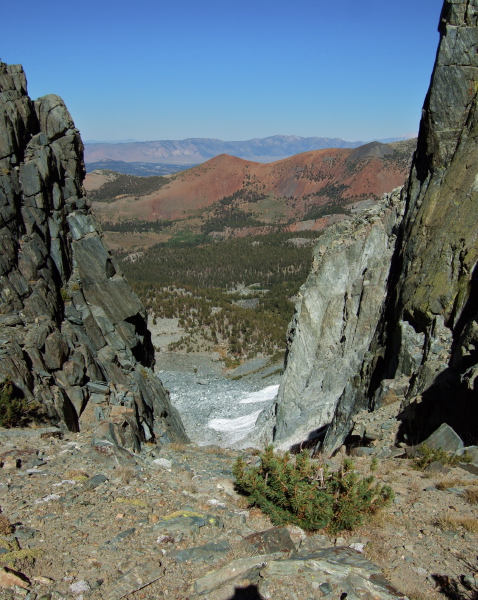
(420, 343)
(74, 336)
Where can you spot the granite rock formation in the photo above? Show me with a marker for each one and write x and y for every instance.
(335, 319)
(73, 335)
(417, 341)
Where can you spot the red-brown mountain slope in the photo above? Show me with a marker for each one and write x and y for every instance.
(286, 191)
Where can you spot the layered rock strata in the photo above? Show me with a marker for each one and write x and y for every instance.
(73, 335)
(423, 347)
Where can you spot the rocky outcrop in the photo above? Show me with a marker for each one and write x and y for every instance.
(74, 336)
(336, 318)
(422, 351)
(434, 296)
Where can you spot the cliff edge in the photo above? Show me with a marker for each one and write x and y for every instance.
(415, 339)
(433, 298)
(74, 336)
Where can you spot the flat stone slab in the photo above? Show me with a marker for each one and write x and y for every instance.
(470, 468)
(446, 438)
(210, 552)
(230, 572)
(135, 579)
(342, 572)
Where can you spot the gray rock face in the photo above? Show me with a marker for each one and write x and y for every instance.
(445, 438)
(68, 319)
(421, 329)
(435, 286)
(336, 318)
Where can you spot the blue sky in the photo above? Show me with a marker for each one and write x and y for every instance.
(149, 69)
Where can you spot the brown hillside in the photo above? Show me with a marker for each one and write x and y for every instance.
(286, 191)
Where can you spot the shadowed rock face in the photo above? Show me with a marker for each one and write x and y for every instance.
(72, 331)
(425, 328)
(434, 296)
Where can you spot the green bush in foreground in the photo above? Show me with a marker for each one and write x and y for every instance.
(309, 496)
(14, 411)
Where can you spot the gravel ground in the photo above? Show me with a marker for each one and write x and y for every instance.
(94, 526)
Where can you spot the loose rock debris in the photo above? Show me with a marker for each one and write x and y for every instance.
(167, 523)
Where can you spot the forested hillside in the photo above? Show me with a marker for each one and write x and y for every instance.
(187, 241)
(232, 296)
(118, 185)
(228, 196)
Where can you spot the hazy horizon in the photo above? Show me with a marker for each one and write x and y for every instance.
(173, 71)
(406, 136)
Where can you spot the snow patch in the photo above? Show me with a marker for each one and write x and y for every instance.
(237, 428)
(268, 393)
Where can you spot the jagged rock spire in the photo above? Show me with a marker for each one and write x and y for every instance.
(74, 336)
(423, 332)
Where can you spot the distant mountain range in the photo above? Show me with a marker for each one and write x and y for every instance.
(140, 169)
(231, 196)
(179, 154)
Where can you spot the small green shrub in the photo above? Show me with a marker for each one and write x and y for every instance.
(427, 455)
(65, 296)
(309, 496)
(14, 411)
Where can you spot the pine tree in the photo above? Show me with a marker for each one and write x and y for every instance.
(306, 494)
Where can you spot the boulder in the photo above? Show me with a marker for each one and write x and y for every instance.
(444, 438)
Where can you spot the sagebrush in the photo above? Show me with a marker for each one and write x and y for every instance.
(307, 494)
